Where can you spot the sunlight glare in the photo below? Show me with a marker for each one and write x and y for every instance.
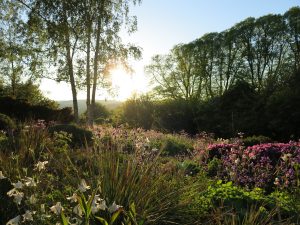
(126, 84)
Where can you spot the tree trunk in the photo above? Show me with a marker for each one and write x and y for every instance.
(73, 84)
(70, 69)
(95, 78)
(88, 75)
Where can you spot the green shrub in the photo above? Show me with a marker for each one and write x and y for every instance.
(172, 146)
(6, 123)
(80, 137)
(255, 140)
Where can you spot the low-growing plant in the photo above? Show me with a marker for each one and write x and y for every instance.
(243, 204)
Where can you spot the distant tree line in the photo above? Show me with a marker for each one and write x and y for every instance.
(260, 51)
(244, 79)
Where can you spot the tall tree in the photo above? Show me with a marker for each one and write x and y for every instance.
(292, 18)
(15, 55)
(105, 19)
(61, 20)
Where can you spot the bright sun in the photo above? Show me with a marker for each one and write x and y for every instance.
(127, 84)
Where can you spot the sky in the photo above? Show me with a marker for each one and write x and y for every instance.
(164, 23)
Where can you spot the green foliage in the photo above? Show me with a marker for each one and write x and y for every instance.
(285, 100)
(6, 123)
(125, 181)
(213, 167)
(240, 201)
(100, 113)
(29, 92)
(172, 146)
(190, 168)
(80, 136)
(255, 140)
(175, 116)
(138, 112)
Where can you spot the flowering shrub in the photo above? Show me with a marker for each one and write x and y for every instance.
(267, 165)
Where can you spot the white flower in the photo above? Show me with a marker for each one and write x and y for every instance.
(41, 165)
(14, 221)
(18, 196)
(277, 181)
(29, 182)
(98, 204)
(1, 175)
(28, 216)
(114, 207)
(237, 161)
(18, 185)
(57, 208)
(32, 199)
(77, 210)
(83, 186)
(102, 205)
(73, 198)
(12, 192)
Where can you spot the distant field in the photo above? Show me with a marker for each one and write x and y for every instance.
(111, 105)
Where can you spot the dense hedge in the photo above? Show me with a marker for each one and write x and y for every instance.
(22, 110)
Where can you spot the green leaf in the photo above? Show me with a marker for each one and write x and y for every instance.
(63, 218)
(101, 220)
(132, 209)
(115, 216)
(89, 205)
